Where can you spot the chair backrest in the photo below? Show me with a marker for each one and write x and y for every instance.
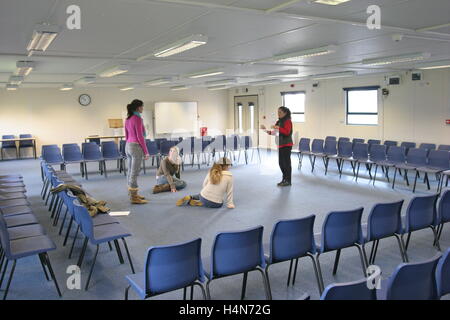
(72, 152)
(110, 150)
(361, 151)
(304, 145)
(292, 239)
(122, 145)
(91, 151)
(421, 212)
(408, 145)
(317, 146)
(247, 142)
(330, 147)
(8, 144)
(356, 290)
(414, 281)
(444, 207)
(82, 217)
(345, 149)
(390, 143)
(330, 138)
(220, 142)
(159, 141)
(173, 267)
(4, 237)
(443, 274)
(25, 143)
(237, 252)
(373, 142)
(384, 220)
(427, 146)
(232, 143)
(152, 147)
(396, 154)
(439, 159)
(378, 152)
(444, 147)
(343, 139)
(165, 147)
(341, 229)
(357, 140)
(417, 157)
(52, 154)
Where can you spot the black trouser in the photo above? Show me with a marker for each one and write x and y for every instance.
(284, 159)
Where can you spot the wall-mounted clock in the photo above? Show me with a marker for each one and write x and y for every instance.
(84, 99)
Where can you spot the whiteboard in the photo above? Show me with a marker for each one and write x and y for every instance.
(172, 117)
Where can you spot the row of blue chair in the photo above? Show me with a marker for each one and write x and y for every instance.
(23, 144)
(97, 230)
(424, 159)
(180, 266)
(21, 234)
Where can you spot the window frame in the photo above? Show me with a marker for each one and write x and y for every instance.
(284, 93)
(347, 113)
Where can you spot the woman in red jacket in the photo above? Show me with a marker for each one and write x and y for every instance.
(284, 141)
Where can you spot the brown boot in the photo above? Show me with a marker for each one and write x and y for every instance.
(161, 188)
(139, 196)
(134, 198)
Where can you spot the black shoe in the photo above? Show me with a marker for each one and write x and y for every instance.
(285, 184)
(281, 182)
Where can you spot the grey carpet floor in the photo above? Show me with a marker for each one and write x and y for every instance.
(258, 202)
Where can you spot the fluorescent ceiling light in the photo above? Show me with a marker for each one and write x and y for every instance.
(114, 71)
(86, 80)
(206, 73)
(157, 82)
(43, 35)
(178, 47)
(11, 87)
(126, 88)
(221, 82)
(281, 74)
(264, 82)
(334, 75)
(396, 59)
(435, 65)
(24, 68)
(66, 87)
(308, 53)
(178, 88)
(15, 79)
(218, 88)
(331, 2)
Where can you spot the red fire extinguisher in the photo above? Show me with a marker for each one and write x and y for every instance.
(203, 131)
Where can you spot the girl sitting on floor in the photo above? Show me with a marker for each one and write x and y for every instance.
(218, 183)
(168, 174)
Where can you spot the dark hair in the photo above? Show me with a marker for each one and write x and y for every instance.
(133, 106)
(287, 111)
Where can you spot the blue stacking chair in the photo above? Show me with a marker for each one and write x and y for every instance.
(361, 155)
(421, 214)
(317, 150)
(9, 145)
(303, 148)
(427, 146)
(355, 290)
(169, 268)
(411, 281)
(91, 153)
(330, 138)
(343, 139)
(390, 143)
(232, 145)
(248, 144)
(123, 153)
(443, 274)
(72, 154)
(357, 140)
(165, 147)
(153, 151)
(52, 155)
(394, 156)
(159, 141)
(110, 151)
(97, 235)
(444, 147)
(22, 247)
(385, 220)
(443, 212)
(23, 144)
(291, 240)
(378, 157)
(330, 150)
(235, 253)
(345, 153)
(415, 158)
(340, 230)
(407, 146)
(372, 142)
(438, 162)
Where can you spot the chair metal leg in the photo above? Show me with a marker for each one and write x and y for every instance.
(127, 289)
(208, 291)
(192, 292)
(404, 248)
(266, 286)
(375, 250)
(83, 251)
(400, 245)
(393, 180)
(119, 252)
(92, 268)
(319, 271)
(128, 255)
(4, 272)
(73, 242)
(10, 279)
(375, 174)
(290, 271)
(244, 285)
(336, 261)
(415, 181)
(63, 221)
(362, 255)
(267, 278)
(184, 293)
(357, 171)
(319, 285)
(41, 259)
(52, 274)
(69, 227)
(436, 240)
(295, 272)
(205, 297)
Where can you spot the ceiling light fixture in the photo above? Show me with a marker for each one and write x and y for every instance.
(15, 79)
(24, 68)
(334, 75)
(86, 80)
(223, 87)
(178, 88)
(114, 71)
(435, 65)
(127, 88)
(66, 87)
(396, 59)
(331, 2)
(157, 82)
(281, 74)
(308, 53)
(206, 73)
(43, 36)
(12, 87)
(221, 82)
(264, 82)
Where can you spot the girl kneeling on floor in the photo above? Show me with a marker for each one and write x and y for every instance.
(218, 183)
(168, 173)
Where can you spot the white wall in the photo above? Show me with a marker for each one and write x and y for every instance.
(413, 111)
(55, 117)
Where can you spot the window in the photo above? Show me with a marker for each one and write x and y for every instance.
(240, 118)
(295, 101)
(362, 105)
(252, 116)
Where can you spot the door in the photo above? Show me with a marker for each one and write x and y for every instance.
(246, 117)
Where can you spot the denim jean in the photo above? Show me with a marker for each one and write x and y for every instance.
(179, 184)
(206, 203)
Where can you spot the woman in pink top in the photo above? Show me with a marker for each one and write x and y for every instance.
(135, 148)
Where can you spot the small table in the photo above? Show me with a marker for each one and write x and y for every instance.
(22, 139)
(116, 138)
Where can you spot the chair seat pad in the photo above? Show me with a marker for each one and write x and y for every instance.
(405, 166)
(17, 210)
(32, 230)
(12, 189)
(101, 219)
(429, 169)
(137, 282)
(31, 246)
(109, 232)
(20, 220)
(11, 180)
(11, 184)
(385, 163)
(12, 196)
(17, 175)
(13, 203)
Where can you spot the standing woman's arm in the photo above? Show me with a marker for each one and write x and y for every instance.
(139, 131)
(230, 203)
